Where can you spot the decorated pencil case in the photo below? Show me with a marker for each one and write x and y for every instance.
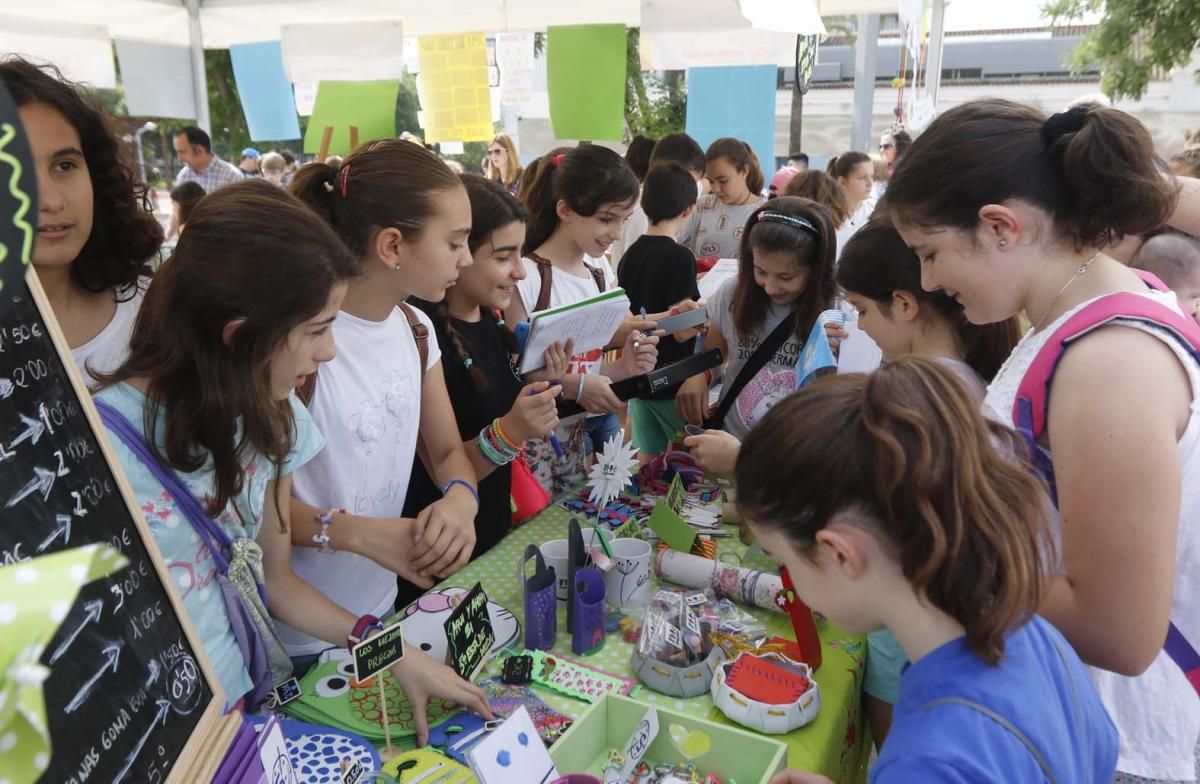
(576, 679)
(541, 606)
(425, 766)
(587, 631)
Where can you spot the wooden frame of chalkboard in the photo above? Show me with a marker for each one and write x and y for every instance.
(131, 695)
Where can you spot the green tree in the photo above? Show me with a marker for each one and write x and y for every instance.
(654, 105)
(1134, 40)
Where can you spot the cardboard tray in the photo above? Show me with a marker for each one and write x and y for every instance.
(744, 756)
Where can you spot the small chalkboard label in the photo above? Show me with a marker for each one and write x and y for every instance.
(469, 633)
(287, 691)
(353, 773)
(374, 655)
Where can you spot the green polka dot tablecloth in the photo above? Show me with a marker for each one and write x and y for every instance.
(833, 744)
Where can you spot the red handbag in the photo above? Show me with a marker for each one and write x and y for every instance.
(528, 495)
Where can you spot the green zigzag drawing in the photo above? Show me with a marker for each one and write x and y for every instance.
(7, 133)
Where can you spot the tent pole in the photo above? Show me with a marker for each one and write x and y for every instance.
(199, 78)
(866, 46)
(937, 30)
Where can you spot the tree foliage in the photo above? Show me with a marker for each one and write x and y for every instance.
(654, 105)
(1135, 40)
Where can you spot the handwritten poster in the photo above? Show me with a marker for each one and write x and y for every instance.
(457, 101)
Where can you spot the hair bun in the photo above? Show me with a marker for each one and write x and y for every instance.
(1058, 125)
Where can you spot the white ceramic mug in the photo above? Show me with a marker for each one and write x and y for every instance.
(555, 554)
(628, 582)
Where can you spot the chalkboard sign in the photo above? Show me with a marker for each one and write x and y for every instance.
(469, 633)
(130, 696)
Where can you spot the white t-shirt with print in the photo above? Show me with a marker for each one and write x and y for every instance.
(105, 352)
(1158, 712)
(367, 403)
(777, 378)
(714, 229)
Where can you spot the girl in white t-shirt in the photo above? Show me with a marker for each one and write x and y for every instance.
(855, 174)
(578, 202)
(1123, 417)
(95, 227)
(406, 216)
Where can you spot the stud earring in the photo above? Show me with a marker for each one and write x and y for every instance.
(1003, 243)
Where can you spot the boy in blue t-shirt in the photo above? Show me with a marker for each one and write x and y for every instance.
(657, 274)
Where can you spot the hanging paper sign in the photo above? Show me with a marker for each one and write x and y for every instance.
(469, 633)
(454, 87)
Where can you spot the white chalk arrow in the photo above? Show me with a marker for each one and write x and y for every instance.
(91, 614)
(153, 677)
(33, 431)
(42, 481)
(63, 529)
(159, 718)
(112, 652)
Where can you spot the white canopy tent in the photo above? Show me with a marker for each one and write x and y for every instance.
(199, 24)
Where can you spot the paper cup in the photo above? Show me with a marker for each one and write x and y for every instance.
(555, 554)
(628, 582)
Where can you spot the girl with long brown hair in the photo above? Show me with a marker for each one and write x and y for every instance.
(895, 504)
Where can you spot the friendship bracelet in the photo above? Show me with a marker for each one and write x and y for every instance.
(470, 488)
(321, 538)
(504, 439)
(490, 451)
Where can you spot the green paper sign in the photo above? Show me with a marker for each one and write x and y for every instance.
(585, 76)
(371, 106)
(676, 495)
(670, 526)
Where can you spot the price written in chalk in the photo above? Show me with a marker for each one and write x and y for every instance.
(375, 654)
(469, 633)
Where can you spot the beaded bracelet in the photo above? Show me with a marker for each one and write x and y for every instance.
(505, 441)
(321, 538)
(495, 446)
(489, 451)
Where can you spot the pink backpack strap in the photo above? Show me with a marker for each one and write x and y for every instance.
(1029, 408)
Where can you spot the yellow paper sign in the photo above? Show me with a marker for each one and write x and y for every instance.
(454, 88)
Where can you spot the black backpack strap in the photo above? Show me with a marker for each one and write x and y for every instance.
(754, 363)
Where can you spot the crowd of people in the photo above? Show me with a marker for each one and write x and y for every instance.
(1026, 565)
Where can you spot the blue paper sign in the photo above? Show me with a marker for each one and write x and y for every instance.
(265, 91)
(816, 356)
(736, 101)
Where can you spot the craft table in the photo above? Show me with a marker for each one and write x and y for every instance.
(833, 744)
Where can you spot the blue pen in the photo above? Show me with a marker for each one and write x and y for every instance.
(558, 450)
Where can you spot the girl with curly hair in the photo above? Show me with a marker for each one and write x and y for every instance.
(96, 229)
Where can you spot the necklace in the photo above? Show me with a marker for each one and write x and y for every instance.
(1083, 268)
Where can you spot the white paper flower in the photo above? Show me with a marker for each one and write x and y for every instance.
(613, 471)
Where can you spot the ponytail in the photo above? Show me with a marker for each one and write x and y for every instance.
(841, 166)
(1092, 169)
(585, 177)
(741, 156)
(876, 263)
(389, 183)
(906, 454)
